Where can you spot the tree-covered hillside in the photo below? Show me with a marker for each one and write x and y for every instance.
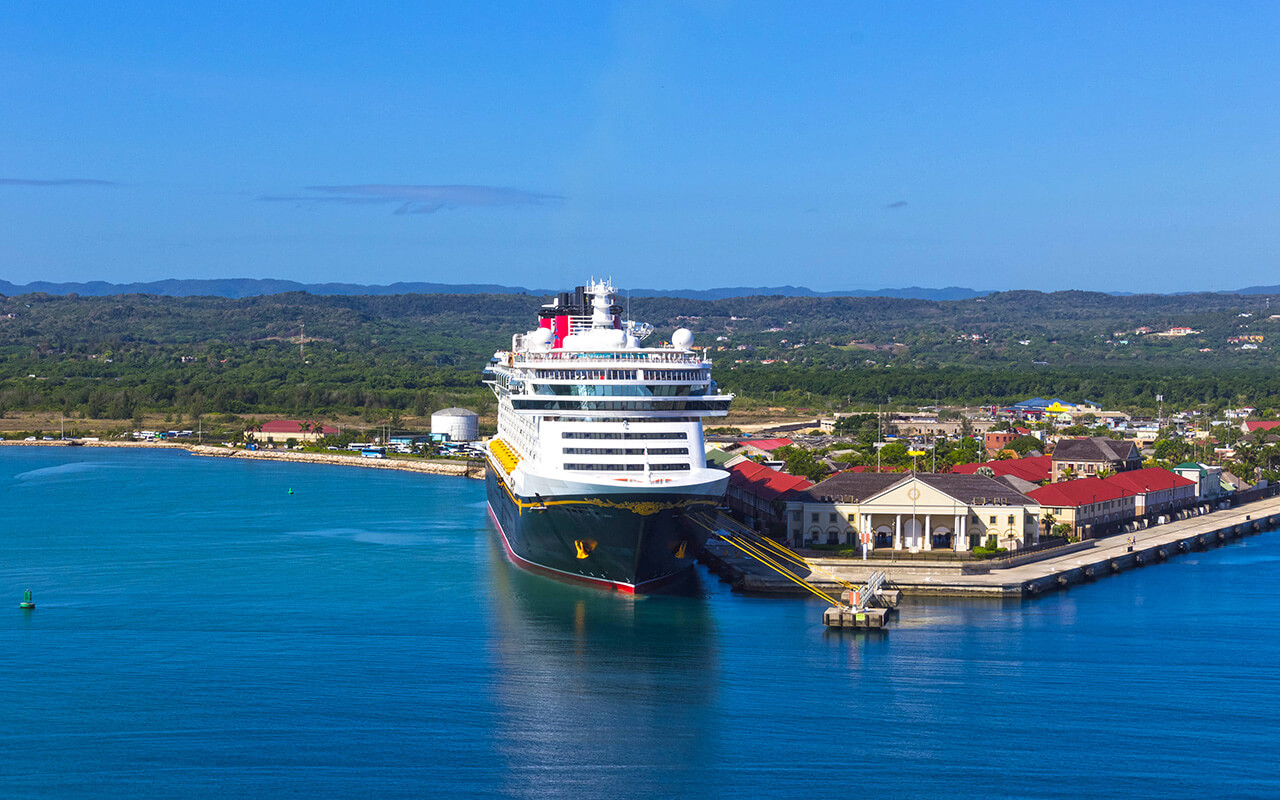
(114, 357)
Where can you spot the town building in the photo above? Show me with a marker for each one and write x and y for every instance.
(762, 448)
(1209, 487)
(1034, 469)
(915, 511)
(1253, 426)
(996, 441)
(1091, 506)
(1086, 457)
(757, 495)
(931, 427)
(1156, 491)
(280, 431)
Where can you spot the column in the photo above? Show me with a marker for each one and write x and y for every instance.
(962, 535)
(897, 532)
(928, 532)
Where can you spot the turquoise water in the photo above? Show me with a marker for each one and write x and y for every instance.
(202, 632)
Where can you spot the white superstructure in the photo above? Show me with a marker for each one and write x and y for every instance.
(585, 408)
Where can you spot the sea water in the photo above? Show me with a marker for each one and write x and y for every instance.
(227, 628)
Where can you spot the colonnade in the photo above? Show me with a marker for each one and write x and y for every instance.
(923, 536)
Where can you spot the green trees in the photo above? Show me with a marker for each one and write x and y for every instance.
(966, 451)
(115, 357)
(801, 462)
(1025, 444)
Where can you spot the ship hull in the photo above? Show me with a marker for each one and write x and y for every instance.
(630, 542)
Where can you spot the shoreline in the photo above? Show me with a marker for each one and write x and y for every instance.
(451, 468)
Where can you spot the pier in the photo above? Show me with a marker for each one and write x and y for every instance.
(1012, 577)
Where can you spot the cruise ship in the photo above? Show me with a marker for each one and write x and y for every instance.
(598, 462)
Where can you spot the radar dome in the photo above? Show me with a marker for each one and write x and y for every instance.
(540, 339)
(682, 339)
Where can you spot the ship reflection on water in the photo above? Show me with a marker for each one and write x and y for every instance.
(600, 693)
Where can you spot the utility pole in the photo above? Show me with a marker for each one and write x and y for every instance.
(879, 434)
(302, 342)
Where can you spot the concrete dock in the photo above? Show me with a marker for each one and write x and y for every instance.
(1019, 576)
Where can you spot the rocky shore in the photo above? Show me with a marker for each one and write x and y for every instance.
(339, 458)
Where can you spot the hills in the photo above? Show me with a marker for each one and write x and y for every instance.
(113, 358)
(238, 288)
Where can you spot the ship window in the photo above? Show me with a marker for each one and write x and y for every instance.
(604, 467)
(603, 451)
(657, 435)
(668, 467)
(668, 451)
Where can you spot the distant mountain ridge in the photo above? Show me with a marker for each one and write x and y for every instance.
(236, 288)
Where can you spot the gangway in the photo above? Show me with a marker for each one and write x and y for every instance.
(866, 606)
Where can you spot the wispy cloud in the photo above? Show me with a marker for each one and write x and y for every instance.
(413, 199)
(306, 198)
(897, 204)
(55, 182)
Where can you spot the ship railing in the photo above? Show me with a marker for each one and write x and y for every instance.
(647, 357)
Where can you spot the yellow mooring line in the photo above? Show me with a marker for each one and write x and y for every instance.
(804, 562)
(779, 549)
(760, 556)
(784, 573)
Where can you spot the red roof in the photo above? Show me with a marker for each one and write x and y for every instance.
(1260, 425)
(1034, 469)
(767, 445)
(765, 482)
(1079, 492)
(295, 426)
(1151, 479)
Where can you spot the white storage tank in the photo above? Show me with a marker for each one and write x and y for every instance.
(460, 424)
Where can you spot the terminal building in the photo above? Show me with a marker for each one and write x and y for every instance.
(914, 511)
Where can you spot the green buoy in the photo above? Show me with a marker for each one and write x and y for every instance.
(290, 491)
(27, 602)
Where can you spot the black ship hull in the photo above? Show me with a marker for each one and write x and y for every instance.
(626, 541)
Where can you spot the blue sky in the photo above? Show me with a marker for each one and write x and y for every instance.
(1107, 146)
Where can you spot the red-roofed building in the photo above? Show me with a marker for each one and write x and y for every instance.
(1035, 469)
(763, 447)
(1086, 504)
(1255, 425)
(1158, 491)
(757, 494)
(282, 430)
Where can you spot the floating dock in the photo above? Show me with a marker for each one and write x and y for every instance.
(1018, 576)
(867, 607)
